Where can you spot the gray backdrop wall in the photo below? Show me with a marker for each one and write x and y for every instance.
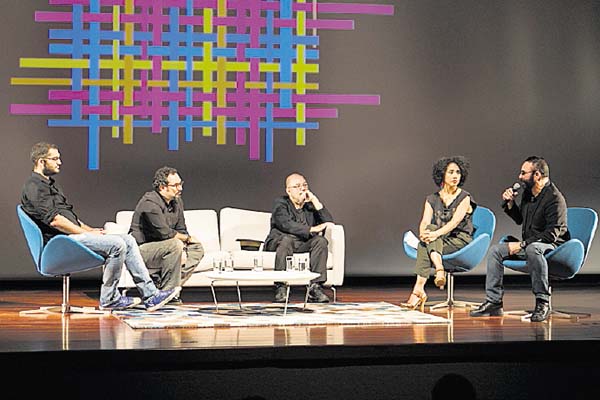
(495, 81)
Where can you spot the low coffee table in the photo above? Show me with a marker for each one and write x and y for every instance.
(288, 277)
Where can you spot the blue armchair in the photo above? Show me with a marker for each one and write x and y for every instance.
(566, 260)
(61, 256)
(467, 258)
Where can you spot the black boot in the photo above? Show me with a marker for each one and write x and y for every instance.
(488, 309)
(280, 293)
(541, 312)
(316, 295)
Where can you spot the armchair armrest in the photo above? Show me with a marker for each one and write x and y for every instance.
(337, 245)
(63, 255)
(566, 260)
(471, 255)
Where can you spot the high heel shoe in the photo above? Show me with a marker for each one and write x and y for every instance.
(440, 278)
(421, 299)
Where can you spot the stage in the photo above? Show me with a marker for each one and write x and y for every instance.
(502, 357)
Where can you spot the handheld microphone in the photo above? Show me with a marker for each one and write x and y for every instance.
(515, 188)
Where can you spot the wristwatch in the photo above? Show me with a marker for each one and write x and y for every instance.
(523, 244)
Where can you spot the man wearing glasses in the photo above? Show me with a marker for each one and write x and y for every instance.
(298, 222)
(43, 200)
(158, 226)
(543, 216)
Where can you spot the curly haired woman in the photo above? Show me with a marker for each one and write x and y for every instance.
(446, 225)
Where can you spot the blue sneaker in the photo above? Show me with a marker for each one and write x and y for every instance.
(123, 303)
(161, 298)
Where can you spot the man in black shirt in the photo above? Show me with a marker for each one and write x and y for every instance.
(158, 226)
(297, 223)
(43, 200)
(543, 216)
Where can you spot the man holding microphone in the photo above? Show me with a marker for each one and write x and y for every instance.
(543, 216)
(298, 221)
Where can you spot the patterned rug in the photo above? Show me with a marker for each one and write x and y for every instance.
(265, 314)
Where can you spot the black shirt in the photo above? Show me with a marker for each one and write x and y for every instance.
(442, 214)
(154, 219)
(286, 219)
(43, 199)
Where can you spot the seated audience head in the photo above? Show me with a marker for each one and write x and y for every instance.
(449, 168)
(453, 386)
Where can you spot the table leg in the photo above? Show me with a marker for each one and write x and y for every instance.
(212, 288)
(237, 285)
(306, 295)
(287, 298)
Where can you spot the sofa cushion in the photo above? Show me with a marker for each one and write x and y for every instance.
(236, 223)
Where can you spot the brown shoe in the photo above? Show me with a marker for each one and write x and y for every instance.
(421, 299)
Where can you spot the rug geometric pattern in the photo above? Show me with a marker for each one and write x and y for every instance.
(265, 314)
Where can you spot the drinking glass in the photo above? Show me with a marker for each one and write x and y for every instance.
(289, 263)
(229, 263)
(217, 263)
(258, 262)
(303, 263)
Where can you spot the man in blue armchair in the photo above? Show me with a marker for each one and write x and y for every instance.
(44, 201)
(543, 217)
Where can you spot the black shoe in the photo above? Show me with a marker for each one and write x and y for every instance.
(488, 309)
(280, 293)
(316, 295)
(541, 312)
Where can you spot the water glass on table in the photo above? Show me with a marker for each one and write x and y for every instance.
(229, 263)
(303, 263)
(289, 263)
(258, 262)
(217, 263)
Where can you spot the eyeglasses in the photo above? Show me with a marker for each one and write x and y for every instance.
(52, 158)
(303, 186)
(527, 172)
(178, 184)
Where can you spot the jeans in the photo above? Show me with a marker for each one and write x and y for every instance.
(118, 249)
(537, 268)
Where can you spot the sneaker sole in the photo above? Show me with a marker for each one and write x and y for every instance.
(317, 301)
(494, 314)
(135, 303)
(165, 301)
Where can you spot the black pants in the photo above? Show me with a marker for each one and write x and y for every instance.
(316, 246)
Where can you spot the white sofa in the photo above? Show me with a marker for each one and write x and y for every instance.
(236, 223)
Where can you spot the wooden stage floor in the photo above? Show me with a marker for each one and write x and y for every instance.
(480, 348)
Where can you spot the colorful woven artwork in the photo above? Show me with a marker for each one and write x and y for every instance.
(189, 66)
(264, 314)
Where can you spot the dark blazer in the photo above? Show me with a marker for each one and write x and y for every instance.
(284, 220)
(543, 218)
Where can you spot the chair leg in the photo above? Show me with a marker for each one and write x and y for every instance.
(334, 293)
(450, 301)
(65, 307)
(525, 315)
